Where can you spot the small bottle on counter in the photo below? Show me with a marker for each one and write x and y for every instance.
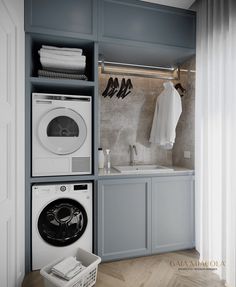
(108, 159)
(101, 158)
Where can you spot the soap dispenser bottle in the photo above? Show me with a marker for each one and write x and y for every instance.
(101, 158)
(108, 159)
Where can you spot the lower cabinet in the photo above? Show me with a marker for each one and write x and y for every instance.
(124, 218)
(142, 216)
(172, 213)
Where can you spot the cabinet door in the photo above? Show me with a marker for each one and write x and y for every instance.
(124, 218)
(59, 17)
(136, 21)
(172, 213)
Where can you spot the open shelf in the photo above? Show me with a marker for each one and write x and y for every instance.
(62, 86)
(60, 82)
(37, 40)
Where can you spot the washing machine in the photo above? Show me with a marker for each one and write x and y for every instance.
(61, 134)
(61, 221)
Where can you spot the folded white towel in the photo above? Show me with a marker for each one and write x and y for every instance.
(67, 268)
(55, 65)
(50, 55)
(59, 62)
(167, 113)
(78, 60)
(65, 49)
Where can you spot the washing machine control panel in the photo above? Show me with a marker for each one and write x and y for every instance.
(58, 189)
(63, 188)
(80, 187)
(41, 191)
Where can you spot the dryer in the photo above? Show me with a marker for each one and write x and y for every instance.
(61, 134)
(61, 221)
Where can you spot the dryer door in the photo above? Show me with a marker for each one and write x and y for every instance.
(62, 222)
(62, 131)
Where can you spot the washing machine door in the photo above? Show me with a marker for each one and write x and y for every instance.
(62, 131)
(62, 222)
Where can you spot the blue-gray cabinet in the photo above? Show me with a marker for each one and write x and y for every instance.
(172, 213)
(124, 218)
(138, 22)
(137, 32)
(77, 18)
(141, 216)
(131, 31)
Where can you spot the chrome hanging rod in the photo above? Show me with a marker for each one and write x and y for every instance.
(137, 66)
(117, 68)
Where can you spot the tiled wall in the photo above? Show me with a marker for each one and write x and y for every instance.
(128, 121)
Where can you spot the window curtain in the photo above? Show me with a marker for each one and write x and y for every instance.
(215, 158)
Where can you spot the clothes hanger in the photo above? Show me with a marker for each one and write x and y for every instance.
(122, 88)
(109, 86)
(181, 88)
(114, 89)
(128, 86)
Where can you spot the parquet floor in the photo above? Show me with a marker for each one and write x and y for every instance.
(163, 270)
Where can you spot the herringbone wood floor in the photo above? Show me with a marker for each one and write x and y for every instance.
(151, 271)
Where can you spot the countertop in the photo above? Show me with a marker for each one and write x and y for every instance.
(113, 173)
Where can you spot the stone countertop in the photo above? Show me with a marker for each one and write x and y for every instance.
(113, 173)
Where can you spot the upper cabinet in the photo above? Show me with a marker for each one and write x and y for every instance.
(128, 31)
(75, 18)
(140, 22)
(137, 32)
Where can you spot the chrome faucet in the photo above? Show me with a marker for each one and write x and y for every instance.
(132, 149)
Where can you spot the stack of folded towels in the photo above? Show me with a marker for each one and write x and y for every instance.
(67, 63)
(67, 268)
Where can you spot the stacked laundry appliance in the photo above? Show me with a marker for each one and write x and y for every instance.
(61, 211)
(59, 63)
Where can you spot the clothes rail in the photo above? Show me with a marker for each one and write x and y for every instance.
(125, 69)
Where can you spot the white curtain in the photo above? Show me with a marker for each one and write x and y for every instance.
(216, 134)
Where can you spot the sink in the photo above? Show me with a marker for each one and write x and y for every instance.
(142, 169)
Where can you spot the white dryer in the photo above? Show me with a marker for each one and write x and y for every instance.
(61, 134)
(61, 221)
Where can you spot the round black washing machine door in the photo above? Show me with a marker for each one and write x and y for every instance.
(62, 131)
(62, 222)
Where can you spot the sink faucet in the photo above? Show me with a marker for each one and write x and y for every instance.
(132, 149)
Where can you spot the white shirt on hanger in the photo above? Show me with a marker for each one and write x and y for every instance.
(167, 112)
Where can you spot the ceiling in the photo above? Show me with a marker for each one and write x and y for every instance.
(184, 4)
